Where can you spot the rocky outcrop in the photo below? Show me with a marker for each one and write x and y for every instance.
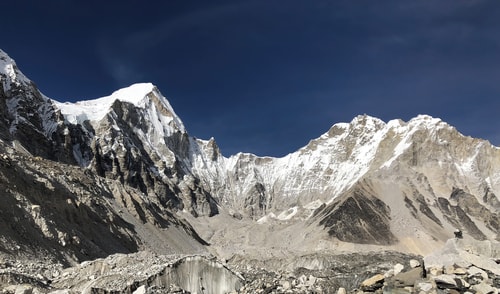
(128, 148)
(124, 145)
(484, 212)
(357, 217)
(461, 266)
(64, 214)
(30, 120)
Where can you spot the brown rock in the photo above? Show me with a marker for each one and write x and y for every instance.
(373, 283)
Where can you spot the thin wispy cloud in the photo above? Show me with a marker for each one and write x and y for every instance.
(159, 34)
(302, 66)
(121, 55)
(118, 63)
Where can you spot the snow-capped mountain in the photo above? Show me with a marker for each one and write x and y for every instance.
(30, 120)
(408, 183)
(423, 178)
(359, 182)
(27, 115)
(67, 213)
(430, 159)
(135, 136)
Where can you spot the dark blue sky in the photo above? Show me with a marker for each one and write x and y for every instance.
(266, 76)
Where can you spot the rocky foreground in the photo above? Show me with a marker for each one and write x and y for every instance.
(459, 267)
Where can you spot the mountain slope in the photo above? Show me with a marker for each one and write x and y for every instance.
(406, 184)
(384, 183)
(61, 212)
(55, 208)
(136, 137)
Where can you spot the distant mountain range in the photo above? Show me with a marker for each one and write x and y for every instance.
(405, 185)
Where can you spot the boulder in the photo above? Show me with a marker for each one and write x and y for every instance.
(445, 281)
(435, 271)
(398, 268)
(406, 279)
(477, 272)
(23, 289)
(414, 263)
(449, 269)
(373, 283)
(389, 273)
(483, 288)
(446, 256)
(140, 290)
(285, 284)
(424, 286)
(311, 280)
(450, 282)
(481, 262)
(460, 271)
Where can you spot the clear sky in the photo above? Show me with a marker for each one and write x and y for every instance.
(266, 76)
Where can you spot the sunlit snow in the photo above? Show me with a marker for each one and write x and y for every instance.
(96, 109)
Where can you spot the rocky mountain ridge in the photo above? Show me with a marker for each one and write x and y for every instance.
(134, 136)
(121, 174)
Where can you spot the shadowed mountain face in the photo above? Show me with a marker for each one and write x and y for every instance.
(64, 213)
(406, 184)
(359, 218)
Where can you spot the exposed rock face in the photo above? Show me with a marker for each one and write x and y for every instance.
(29, 119)
(128, 148)
(59, 215)
(124, 144)
(381, 172)
(408, 172)
(359, 218)
(120, 174)
(65, 214)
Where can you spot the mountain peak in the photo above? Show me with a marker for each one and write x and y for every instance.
(11, 74)
(141, 95)
(134, 93)
(367, 122)
(96, 109)
(425, 119)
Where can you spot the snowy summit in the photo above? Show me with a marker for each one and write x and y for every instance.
(96, 109)
(13, 75)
